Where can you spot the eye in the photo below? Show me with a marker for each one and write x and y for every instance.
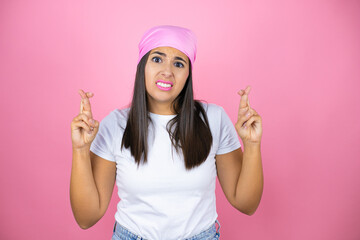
(156, 59)
(179, 64)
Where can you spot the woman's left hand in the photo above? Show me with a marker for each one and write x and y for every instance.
(248, 124)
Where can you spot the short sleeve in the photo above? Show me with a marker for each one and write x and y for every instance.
(103, 143)
(229, 140)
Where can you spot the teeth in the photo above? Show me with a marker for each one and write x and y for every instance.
(163, 84)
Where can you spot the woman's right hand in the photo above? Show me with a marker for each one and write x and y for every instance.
(83, 127)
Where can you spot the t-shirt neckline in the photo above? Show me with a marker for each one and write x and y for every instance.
(161, 115)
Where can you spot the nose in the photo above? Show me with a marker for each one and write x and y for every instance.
(167, 70)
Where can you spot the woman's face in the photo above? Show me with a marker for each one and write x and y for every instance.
(166, 72)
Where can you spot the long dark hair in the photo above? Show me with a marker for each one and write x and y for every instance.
(189, 130)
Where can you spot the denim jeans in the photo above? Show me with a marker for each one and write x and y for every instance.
(121, 233)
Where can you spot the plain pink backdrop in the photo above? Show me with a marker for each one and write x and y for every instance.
(301, 57)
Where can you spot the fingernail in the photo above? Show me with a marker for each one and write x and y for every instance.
(92, 121)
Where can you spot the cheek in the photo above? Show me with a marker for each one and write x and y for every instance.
(184, 77)
(150, 71)
(147, 76)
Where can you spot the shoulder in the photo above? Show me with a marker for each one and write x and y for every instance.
(212, 109)
(121, 114)
(214, 113)
(116, 118)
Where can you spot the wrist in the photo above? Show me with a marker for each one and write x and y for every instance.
(82, 150)
(252, 145)
(252, 150)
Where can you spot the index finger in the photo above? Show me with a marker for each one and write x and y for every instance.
(85, 106)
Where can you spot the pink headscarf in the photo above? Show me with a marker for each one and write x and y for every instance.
(180, 38)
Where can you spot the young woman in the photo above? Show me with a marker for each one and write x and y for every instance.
(165, 151)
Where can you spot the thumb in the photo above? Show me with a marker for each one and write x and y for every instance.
(93, 131)
(96, 126)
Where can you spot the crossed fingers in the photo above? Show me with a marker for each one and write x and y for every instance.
(245, 110)
(85, 106)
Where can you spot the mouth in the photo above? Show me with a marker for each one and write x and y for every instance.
(164, 85)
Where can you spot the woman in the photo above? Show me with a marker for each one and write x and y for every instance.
(165, 151)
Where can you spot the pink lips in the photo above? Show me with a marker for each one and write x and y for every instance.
(164, 88)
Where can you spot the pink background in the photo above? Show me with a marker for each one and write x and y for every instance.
(302, 59)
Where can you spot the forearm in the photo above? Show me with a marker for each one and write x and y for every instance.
(250, 183)
(84, 196)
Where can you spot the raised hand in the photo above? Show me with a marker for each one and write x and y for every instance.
(249, 121)
(83, 127)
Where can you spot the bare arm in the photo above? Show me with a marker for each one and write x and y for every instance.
(91, 186)
(240, 173)
(241, 177)
(92, 177)
(84, 196)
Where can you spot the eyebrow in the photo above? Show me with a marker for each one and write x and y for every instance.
(163, 54)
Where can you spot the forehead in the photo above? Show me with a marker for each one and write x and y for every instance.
(169, 51)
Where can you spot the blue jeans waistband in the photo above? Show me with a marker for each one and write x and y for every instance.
(124, 233)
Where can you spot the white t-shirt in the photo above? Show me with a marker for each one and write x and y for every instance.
(161, 199)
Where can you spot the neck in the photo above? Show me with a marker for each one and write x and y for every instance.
(161, 108)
